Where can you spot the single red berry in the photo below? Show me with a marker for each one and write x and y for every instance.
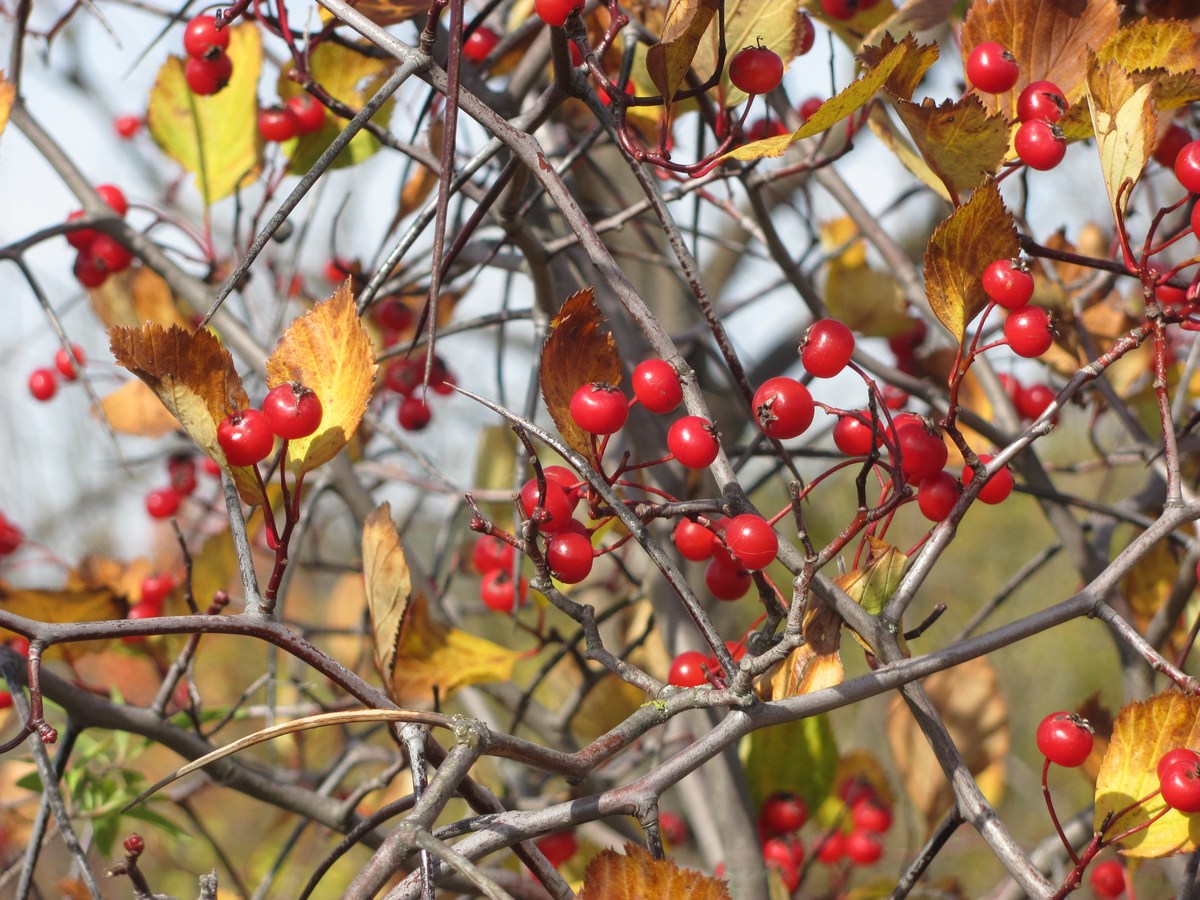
(1065, 739)
(1180, 785)
(905, 344)
(558, 848)
(674, 829)
(693, 540)
(1040, 145)
(480, 43)
(656, 386)
(555, 12)
(783, 812)
(869, 814)
(922, 451)
(1041, 100)
(991, 68)
(11, 536)
(1008, 282)
(277, 124)
(688, 669)
(805, 34)
(764, 129)
(783, 407)
(292, 410)
(832, 848)
(414, 413)
(557, 507)
(809, 106)
(997, 488)
(1034, 400)
(937, 494)
(496, 591)
(88, 270)
(725, 579)
(785, 854)
(181, 469)
(1168, 147)
(309, 113)
(109, 254)
(1187, 167)
(826, 348)
(844, 10)
(863, 848)
(404, 375)
(491, 553)
(66, 365)
(202, 38)
(156, 588)
(134, 844)
(162, 503)
(212, 468)
(599, 408)
(1176, 756)
(205, 77)
(395, 315)
(245, 437)
(693, 441)
(1107, 879)
(736, 651)
(570, 556)
(127, 126)
(756, 70)
(568, 481)
(114, 197)
(6, 700)
(853, 436)
(751, 541)
(1028, 331)
(43, 384)
(81, 238)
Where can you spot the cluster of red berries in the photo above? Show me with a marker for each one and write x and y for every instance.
(493, 558)
(406, 377)
(208, 69)
(1039, 141)
(153, 594)
(290, 411)
(99, 254)
(1027, 329)
(43, 383)
(11, 536)
(164, 502)
(296, 117)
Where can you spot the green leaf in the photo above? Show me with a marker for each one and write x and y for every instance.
(143, 814)
(104, 833)
(800, 757)
(215, 138)
(31, 782)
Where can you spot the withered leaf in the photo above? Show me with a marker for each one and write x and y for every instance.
(636, 875)
(134, 297)
(904, 78)
(389, 587)
(390, 12)
(669, 60)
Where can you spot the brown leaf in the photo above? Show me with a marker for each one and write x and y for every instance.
(636, 875)
(578, 350)
(389, 587)
(669, 60)
(134, 409)
(1125, 123)
(977, 233)
(328, 351)
(969, 701)
(960, 141)
(136, 296)
(1142, 733)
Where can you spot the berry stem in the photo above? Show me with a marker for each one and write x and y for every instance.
(1054, 815)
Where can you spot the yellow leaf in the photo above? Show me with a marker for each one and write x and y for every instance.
(389, 12)
(866, 300)
(1125, 123)
(389, 587)
(351, 77)
(216, 137)
(960, 141)
(8, 93)
(328, 351)
(1149, 581)
(746, 22)
(977, 233)
(669, 60)
(1142, 733)
(578, 350)
(800, 757)
(636, 875)
(73, 604)
(134, 409)
(873, 585)
(135, 296)
(1169, 45)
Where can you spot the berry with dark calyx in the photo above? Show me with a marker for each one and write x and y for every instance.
(937, 494)
(162, 503)
(114, 197)
(414, 413)
(725, 579)
(558, 848)
(693, 442)
(245, 437)
(1180, 786)
(1033, 400)
(155, 588)
(1168, 147)
(127, 126)
(292, 410)
(491, 553)
(1041, 100)
(66, 362)
(556, 506)
(88, 270)
(783, 407)
(991, 68)
(109, 254)
(751, 541)
(863, 848)
(785, 854)
(309, 113)
(555, 12)
(1008, 282)
(202, 38)
(1027, 331)
(206, 77)
(826, 348)
(1040, 145)
(11, 536)
(1107, 879)
(783, 812)
(570, 556)
(479, 44)
(656, 386)
(496, 591)
(404, 375)
(756, 70)
(1187, 167)
(853, 436)
(693, 540)
(871, 815)
(998, 486)
(277, 124)
(688, 669)
(1065, 739)
(922, 451)
(806, 34)
(674, 829)
(1178, 755)
(43, 384)
(599, 408)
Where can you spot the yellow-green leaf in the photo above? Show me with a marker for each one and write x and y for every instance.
(8, 93)
(669, 60)
(977, 233)
(874, 584)
(867, 20)
(215, 138)
(1142, 733)
(352, 78)
(800, 757)
(389, 587)
(960, 141)
(1125, 122)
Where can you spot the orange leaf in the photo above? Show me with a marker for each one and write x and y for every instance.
(1142, 733)
(389, 587)
(328, 351)
(636, 875)
(960, 141)
(134, 297)
(977, 233)
(577, 351)
(134, 409)
(8, 93)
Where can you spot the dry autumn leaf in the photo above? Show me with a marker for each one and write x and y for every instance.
(389, 587)
(1142, 733)
(904, 78)
(867, 300)
(636, 875)
(135, 409)
(817, 663)
(914, 16)
(977, 233)
(1125, 124)
(579, 350)
(959, 140)
(134, 297)
(669, 61)
(328, 351)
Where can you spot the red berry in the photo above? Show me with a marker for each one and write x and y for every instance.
(937, 494)
(725, 579)
(109, 254)
(557, 507)
(202, 38)
(805, 34)
(1176, 756)
(688, 669)
(395, 315)
(863, 848)
(656, 386)
(764, 129)
(1180, 785)
(756, 70)
(81, 238)
(414, 413)
(783, 812)
(11, 537)
(832, 848)
(1034, 400)
(480, 43)
(826, 348)
(1167, 150)
(693, 540)
(491, 553)
(212, 467)
(1107, 879)
(558, 848)
(844, 10)
(162, 503)
(869, 814)
(182, 471)
(1041, 100)
(1187, 167)
(555, 12)
(43, 384)
(6, 700)
(1008, 282)
(674, 829)
(127, 126)
(991, 68)
(277, 124)
(245, 437)
(997, 488)
(114, 197)
(922, 451)
(751, 541)
(496, 591)
(567, 480)
(155, 588)
(809, 106)
(292, 410)
(599, 408)
(309, 113)
(134, 844)
(783, 407)
(205, 77)
(853, 436)
(88, 270)
(693, 442)
(1065, 739)
(785, 855)
(64, 363)
(570, 556)
(1028, 331)
(1040, 145)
